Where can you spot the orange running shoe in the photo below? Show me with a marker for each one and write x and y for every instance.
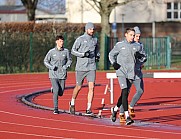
(122, 118)
(131, 112)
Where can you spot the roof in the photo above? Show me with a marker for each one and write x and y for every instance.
(14, 9)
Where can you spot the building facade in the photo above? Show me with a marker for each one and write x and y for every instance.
(13, 14)
(79, 11)
(144, 11)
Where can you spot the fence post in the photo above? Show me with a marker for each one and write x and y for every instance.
(31, 53)
(106, 53)
(168, 65)
(65, 39)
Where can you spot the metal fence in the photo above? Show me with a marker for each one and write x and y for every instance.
(158, 52)
(24, 52)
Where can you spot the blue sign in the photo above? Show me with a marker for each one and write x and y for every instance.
(114, 27)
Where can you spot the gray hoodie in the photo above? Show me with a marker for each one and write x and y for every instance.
(124, 54)
(81, 45)
(57, 61)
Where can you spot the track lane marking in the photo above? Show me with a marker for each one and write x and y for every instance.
(37, 135)
(88, 124)
(82, 131)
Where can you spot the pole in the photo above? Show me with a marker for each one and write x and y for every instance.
(115, 23)
(31, 53)
(168, 65)
(153, 25)
(82, 11)
(153, 35)
(114, 28)
(122, 26)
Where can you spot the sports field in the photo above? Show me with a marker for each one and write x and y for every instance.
(158, 113)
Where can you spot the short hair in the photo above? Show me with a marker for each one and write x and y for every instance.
(59, 37)
(129, 29)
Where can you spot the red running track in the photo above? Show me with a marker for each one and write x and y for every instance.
(158, 113)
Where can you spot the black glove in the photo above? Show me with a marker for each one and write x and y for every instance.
(97, 58)
(55, 68)
(116, 66)
(138, 55)
(87, 53)
(143, 59)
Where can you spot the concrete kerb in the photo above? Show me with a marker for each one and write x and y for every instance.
(27, 99)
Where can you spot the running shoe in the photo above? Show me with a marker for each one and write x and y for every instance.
(114, 114)
(129, 121)
(72, 109)
(131, 112)
(55, 111)
(122, 118)
(88, 113)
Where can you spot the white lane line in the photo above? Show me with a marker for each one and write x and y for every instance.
(105, 91)
(24, 89)
(88, 124)
(37, 135)
(24, 85)
(79, 131)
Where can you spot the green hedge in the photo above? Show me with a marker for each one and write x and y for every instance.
(23, 46)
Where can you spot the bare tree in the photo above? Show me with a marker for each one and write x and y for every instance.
(30, 6)
(104, 8)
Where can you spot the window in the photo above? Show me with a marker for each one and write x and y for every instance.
(169, 15)
(174, 11)
(175, 6)
(175, 15)
(168, 5)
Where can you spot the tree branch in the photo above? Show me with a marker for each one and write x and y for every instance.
(95, 6)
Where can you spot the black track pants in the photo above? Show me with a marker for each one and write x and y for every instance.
(123, 99)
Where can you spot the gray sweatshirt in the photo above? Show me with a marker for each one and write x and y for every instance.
(57, 61)
(80, 46)
(124, 54)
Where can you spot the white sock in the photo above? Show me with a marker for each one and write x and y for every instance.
(115, 108)
(130, 107)
(126, 114)
(72, 101)
(88, 106)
